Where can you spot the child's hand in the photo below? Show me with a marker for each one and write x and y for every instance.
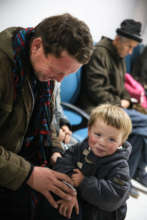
(65, 134)
(54, 157)
(77, 177)
(65, 207)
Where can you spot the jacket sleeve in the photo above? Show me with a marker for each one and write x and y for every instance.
(58, 107)
(56, 144)
(67, 163)
(99, 87)
(107, 194)
(13, 168)
(59, 118)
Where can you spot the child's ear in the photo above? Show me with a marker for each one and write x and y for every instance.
(88, 131)
(122, 143)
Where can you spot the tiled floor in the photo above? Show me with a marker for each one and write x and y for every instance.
(137, 208)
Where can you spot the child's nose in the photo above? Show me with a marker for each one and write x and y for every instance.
(102, 141)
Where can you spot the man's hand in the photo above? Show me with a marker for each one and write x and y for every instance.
(66, 207)
(45, 180)
(77, 177)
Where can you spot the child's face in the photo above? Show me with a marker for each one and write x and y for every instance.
(104, 139)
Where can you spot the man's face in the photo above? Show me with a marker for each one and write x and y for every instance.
(125, 46)
(49, 67)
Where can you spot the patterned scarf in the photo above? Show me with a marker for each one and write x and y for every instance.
(38, 134)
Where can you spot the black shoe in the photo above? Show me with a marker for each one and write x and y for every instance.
(133, 192)
(141, 177)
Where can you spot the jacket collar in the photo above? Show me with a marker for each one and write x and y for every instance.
(107, 43)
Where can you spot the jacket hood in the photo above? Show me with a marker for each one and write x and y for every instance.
(126, 149)
(106, 43)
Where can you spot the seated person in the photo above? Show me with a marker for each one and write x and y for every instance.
(103, 82)
(139, 68)
(98, 166)
(137, 92)
(60, 121)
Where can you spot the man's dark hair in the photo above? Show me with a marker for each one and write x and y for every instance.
(65, 32)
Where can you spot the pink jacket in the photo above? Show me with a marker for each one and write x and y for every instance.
(135, 90)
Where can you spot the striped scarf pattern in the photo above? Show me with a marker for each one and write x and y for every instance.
(38, 134)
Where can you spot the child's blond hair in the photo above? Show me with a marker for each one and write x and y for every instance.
(114, 116)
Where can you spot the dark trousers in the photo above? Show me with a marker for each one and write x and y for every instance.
(138, 139)
(53, 214)
(137, 160)
(15, 204)
(19, 205)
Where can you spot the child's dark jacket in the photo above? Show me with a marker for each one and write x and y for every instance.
(104, 190)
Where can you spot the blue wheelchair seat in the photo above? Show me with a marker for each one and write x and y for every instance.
(70, 89)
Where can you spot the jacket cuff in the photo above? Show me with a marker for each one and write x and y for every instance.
(29, 174)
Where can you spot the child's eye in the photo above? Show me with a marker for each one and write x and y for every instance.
(98, 134)
(112, 139)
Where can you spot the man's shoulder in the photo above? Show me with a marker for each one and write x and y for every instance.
(10, 30)
(5, 62)
(104, 42)
(6, 37)
(103, 46)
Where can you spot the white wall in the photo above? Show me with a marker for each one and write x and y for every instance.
(102, 16)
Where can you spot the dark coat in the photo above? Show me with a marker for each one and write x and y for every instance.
(103, 77)
(139, 68)
(105, 187)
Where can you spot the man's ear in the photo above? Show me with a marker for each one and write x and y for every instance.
(116, 39)
(36, 44)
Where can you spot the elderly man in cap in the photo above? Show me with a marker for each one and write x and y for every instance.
(103, 82)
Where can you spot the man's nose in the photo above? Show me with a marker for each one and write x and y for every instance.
(130, 51)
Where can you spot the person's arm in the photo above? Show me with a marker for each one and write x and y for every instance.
(61, 120)
(67, 163)
(56, 147)
(45, 181)
(57, 126)
(13, 168)
(99, 88)
(65, 134)
(107, 194)
(66, 207)
(60, 117)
